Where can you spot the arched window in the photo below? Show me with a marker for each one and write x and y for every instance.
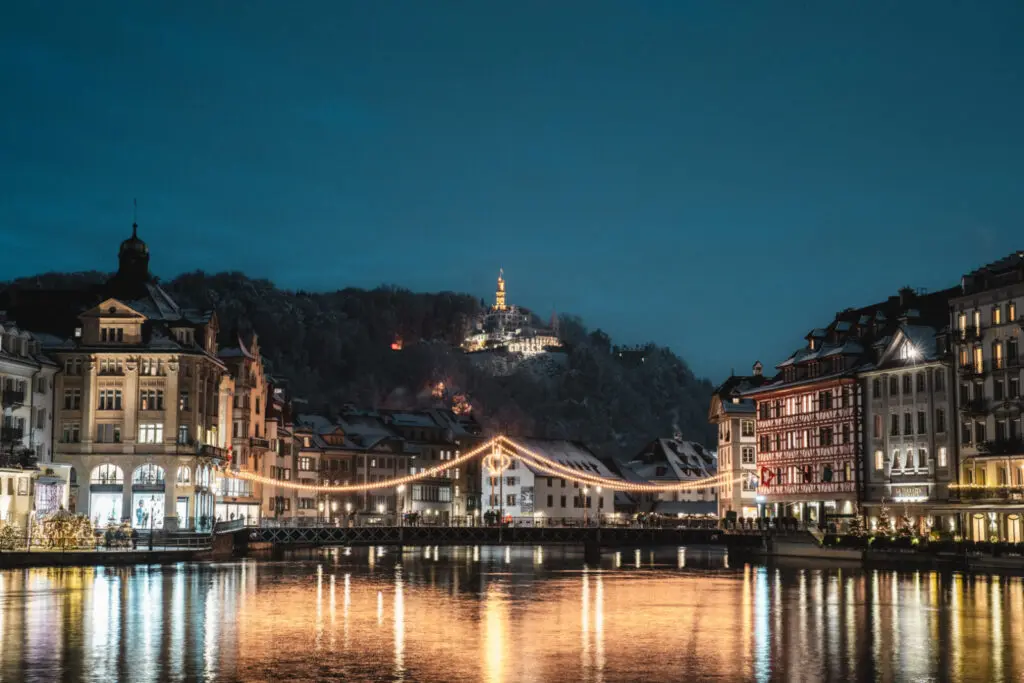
(107, 474)
(149, 475)
(896, 459)
(184, 475)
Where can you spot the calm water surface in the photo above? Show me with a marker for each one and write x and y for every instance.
(496, 614)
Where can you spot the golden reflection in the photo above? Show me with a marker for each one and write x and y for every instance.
(599, 627)
(476, 553)
(508, 555)
(618, 559)
(636, 559)
(494, 633)
(681, 558)
(249, 621)
(956, 625)
(997, 629)
(346, 604)
(399, 626)
(585, 621)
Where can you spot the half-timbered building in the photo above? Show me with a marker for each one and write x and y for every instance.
(809, 421)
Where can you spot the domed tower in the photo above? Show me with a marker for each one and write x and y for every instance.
(132, 268)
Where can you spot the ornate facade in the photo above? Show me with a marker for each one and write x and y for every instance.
(734, 416)
(142, 403)
(987, 333)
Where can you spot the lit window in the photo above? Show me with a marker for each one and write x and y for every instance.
(151, 433)
(942, 456)
(879, 460)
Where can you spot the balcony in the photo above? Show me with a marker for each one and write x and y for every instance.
(209, 451)
(1007, 447)
(974, 369)
(976, 406)
(11, 434)
(13, 397)
(974, 492)
(971, 334)
(257, 442)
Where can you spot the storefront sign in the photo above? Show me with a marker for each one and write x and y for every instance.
(910, 494)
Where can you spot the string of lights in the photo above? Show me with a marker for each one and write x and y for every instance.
(502, 449)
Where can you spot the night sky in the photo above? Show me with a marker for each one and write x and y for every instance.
(719, 177)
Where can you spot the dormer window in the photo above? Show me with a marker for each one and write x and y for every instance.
(811, 345)
(111, 334)
(184, 336)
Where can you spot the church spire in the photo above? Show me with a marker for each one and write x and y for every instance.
(499, 296)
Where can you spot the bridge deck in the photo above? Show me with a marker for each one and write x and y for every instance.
(602, 536)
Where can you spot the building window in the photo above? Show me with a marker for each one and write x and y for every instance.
(562, 501)
(879, 460)
(894, 425)
(510, 499)
(747, 455)
(921, 427)
(110, 399)
(876, 426)
(306, 464)
(942, 456)
(551, 500)
(151, 399)
(183, 400)
(72, 399)
(940, 420)
(747, 427)
(1000, 430)
(940, 380)
(965, 433)
(906, 384)
(108, 433)
(151, 433)
(1013, 389)
(894, 386)
(920, 381)
(980, 432)
(71, 432)
(183, 434)
(876, 388)
(908, 424)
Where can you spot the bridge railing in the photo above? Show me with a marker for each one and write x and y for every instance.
(545, 522)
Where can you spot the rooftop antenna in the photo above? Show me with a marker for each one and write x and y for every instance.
(135, 218)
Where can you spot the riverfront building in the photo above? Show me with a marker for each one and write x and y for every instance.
(810, 417)
(734, 416)
(523, 492)
(910, 426)
(142, 403)
(987, 334)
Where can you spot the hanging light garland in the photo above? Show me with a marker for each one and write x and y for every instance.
(500, 458)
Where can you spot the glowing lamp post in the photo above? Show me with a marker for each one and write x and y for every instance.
(401, 507)
(583, 494)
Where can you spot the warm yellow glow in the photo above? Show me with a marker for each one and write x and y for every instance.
(505, 447)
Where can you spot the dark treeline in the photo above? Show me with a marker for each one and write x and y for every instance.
(335, 348)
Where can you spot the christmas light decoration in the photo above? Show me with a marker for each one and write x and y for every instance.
(497, 457)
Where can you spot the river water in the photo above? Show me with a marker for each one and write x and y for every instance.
(507, 614)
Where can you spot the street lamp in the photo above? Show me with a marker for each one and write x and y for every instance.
(334, 512)
(320, 511)
(348, 514)
(585, 491)
(401, 507)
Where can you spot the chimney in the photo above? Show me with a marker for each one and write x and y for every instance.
(906, 296)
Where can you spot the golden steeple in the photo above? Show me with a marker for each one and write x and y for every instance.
(499, 296)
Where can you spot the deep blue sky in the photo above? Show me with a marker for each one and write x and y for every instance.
(719, 177)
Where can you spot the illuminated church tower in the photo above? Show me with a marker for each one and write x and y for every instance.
(499, 296)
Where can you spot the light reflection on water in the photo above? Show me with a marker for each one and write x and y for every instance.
(506, 614)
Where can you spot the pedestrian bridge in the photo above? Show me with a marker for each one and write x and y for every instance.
(591, 536)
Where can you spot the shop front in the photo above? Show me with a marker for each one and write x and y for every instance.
(148, 486)
(106, 495)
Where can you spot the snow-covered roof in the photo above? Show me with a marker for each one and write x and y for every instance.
(568, 453)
